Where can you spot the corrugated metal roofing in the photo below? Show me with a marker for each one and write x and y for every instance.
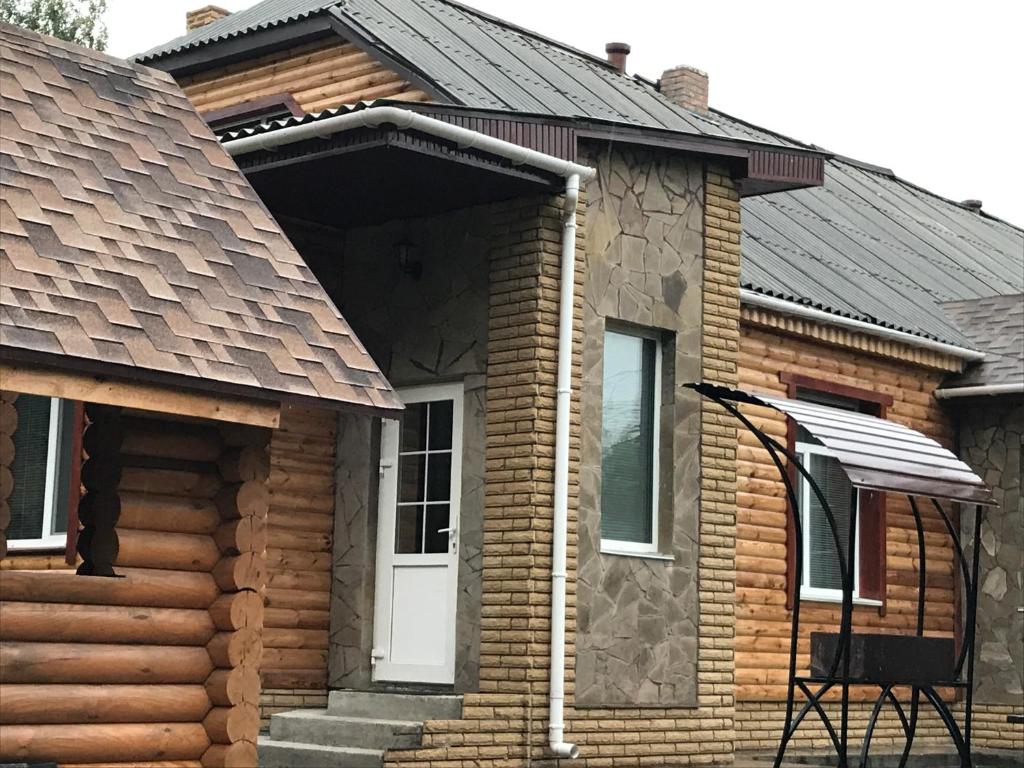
(875, 453)
(480, 61)
(874, 247)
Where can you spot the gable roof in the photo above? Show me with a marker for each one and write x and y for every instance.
(132, 244)
(475, 60)
(996, 325)
(874, 247)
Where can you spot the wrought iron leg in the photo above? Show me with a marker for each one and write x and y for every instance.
(844, 638)
(950, 722)
(971, 628)
(914, 703)
(869, 732)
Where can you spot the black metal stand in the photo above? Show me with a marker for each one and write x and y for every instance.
(813, 687)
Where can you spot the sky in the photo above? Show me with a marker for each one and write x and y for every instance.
(929, 89)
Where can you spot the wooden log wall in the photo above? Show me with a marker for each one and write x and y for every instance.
(158, 664)
(300, 537)
(318, 76)
(762, 620)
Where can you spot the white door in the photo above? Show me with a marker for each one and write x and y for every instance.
(417, 538)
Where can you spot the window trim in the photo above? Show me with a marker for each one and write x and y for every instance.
(633, 548)
(52, 540)
(868, 502)
(807, 591)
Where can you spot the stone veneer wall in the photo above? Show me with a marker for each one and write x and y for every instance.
(991, 431)
(505, 724)
(420, 329)
(637, 634)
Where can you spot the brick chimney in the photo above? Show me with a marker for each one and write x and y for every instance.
(687, 87)
(200, 17)
(617, 53)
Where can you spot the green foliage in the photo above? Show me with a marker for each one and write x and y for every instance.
(77, 21)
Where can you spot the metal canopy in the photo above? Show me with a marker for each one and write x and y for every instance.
(876, 454)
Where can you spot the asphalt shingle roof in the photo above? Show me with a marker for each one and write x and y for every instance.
(129, 238)
(478, 61)
(996, 325)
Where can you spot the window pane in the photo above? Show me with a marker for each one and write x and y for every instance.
(59, 522)
(439, 477)
(410, 477)
(409, 530)
(627, 439)
(31, 439)
(437, 518)
(441, 425)
(414, 427)
(835, 485)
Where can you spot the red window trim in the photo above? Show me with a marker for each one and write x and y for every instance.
(74, 485)
(873, 577)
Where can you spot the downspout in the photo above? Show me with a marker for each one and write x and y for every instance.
(560, 523)
(573, 174)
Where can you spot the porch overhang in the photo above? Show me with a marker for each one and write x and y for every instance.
(876, 454)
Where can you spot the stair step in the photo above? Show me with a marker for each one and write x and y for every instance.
(317, 726)
(286, 754)
(394, 706)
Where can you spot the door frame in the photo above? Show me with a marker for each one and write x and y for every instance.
(387, 501)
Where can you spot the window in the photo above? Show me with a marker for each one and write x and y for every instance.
(822, 573)
(820, 570)
(41, 469)
(629, 441)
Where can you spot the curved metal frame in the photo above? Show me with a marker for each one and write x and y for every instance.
(969, 574)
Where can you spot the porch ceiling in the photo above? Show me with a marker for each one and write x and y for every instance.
(371, 176)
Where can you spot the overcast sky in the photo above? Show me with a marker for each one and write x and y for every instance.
(929, 89)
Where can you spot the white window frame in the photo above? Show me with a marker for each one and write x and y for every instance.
(807, 592)
(633, 548)
(51, 540)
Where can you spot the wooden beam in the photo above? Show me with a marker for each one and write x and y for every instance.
(34, 380)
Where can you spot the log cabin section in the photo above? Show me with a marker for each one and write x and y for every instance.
(318, 76)
(762, 617)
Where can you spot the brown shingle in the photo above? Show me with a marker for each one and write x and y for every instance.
(129, 237)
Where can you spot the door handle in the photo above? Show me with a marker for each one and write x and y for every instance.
(447, 530)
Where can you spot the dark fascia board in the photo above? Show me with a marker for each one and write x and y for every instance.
(247, 45)
(315, 149)
(177, 381)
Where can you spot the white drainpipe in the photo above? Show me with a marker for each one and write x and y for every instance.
(574, 174)
(556, 689)
(980, 390)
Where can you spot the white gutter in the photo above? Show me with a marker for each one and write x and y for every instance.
(573, 174)
(980, 390)
(755, 299)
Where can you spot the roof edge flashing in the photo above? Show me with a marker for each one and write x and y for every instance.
(786, 307)
(404, 119)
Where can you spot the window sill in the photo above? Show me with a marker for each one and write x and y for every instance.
(838, 600)
(612, 550)
(39, 546)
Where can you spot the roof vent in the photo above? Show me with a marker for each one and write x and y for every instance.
(687, 87)
(200, 17)
(617, 53)
(972, 205)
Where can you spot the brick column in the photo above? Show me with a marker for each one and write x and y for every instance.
(719, 354)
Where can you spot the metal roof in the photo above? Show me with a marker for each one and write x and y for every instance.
(872, 246)
(996, 325)
(875, 453)
(477, 60)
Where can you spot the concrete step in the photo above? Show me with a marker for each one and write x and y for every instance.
(317, 726)
(394, 706)
(286, 754)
